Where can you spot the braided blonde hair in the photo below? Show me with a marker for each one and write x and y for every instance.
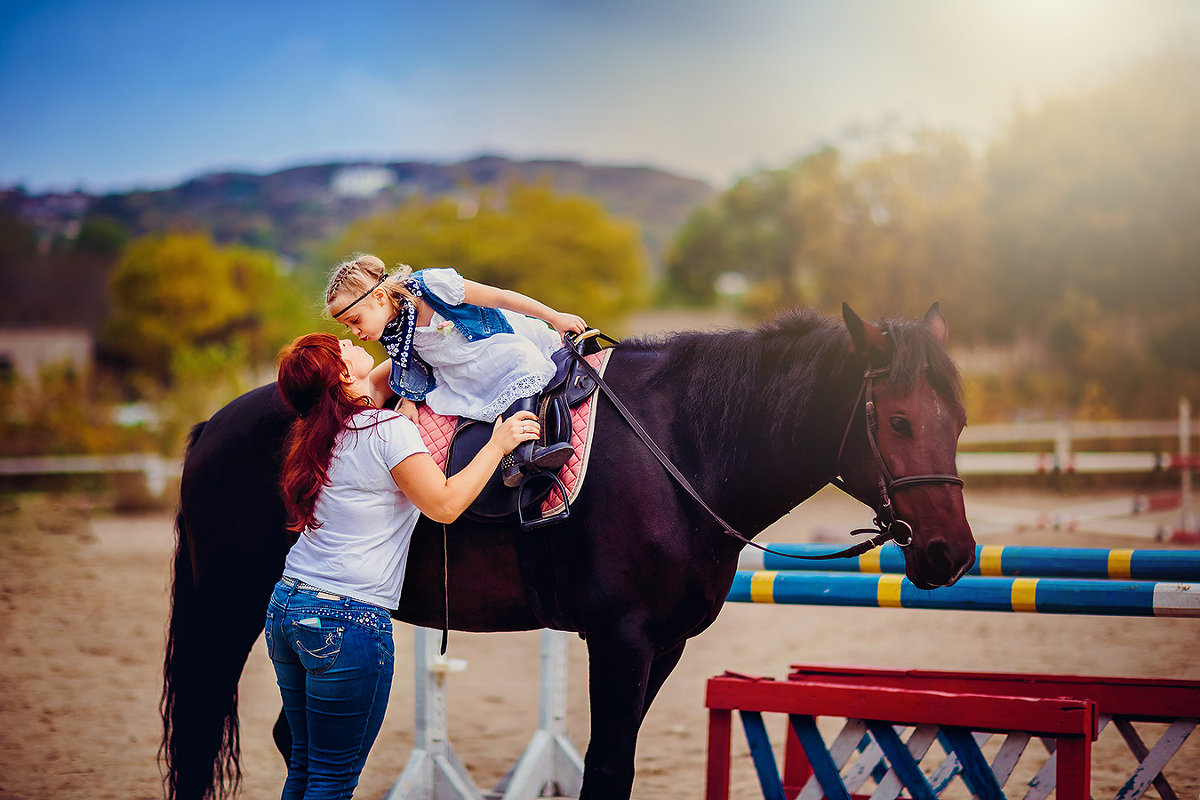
(359, 273)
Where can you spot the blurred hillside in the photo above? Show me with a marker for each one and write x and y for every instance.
(289, 210)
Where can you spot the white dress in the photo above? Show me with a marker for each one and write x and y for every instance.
(481, 379)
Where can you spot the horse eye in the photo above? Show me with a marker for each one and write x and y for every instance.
(901, 426)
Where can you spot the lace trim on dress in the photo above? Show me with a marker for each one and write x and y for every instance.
(526, 386)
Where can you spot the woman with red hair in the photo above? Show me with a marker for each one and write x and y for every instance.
(355, 480)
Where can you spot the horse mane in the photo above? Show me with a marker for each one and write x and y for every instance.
(782, 371)
(768, 373)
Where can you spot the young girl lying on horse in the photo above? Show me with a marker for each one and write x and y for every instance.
(464, 348)
(355, 478)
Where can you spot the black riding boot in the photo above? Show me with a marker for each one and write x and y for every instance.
(530, 456)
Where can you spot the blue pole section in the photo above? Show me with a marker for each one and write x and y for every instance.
(1044, 595)
(999, 561)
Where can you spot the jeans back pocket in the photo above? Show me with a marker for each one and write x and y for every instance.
(318, 645)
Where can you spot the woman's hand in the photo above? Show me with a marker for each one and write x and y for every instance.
(520, 427)
(409, 409)
(442, 499)
(567, 323)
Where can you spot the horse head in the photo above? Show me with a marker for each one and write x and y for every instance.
(898, 451)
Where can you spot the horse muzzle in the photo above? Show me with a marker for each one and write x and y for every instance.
(939, 561)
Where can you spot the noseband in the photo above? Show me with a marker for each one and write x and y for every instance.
(888, 527)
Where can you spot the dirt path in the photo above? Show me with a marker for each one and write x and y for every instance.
(83, 604)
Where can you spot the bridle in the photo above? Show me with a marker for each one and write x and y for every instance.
(888, 527)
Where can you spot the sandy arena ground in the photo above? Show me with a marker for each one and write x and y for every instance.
(83, 605)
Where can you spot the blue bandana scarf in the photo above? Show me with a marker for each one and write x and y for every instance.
(397, 337)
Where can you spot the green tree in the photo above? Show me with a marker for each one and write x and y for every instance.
(564, 250)
(912, 233)
(18, 270)
(1095, 195)
(889, 234)
(56, 280)
(1091, 205)
(63, 412)
(773, 227)
(101, 237)
(178, 293)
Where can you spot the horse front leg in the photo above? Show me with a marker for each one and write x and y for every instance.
(619, 667)
(660, 668)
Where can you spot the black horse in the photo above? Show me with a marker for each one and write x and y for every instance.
(757, 421)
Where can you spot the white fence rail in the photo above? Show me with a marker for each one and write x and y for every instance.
(156, 469)
(1062, 457)
(1062, 436)
(1053, 431)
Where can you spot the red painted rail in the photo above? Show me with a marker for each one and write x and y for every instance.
(1120, 701)
(1073, 723)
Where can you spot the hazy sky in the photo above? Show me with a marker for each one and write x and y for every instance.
(112, 94)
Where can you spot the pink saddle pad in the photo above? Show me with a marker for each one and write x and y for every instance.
(438, 430)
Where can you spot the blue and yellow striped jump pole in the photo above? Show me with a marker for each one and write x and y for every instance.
(1043, 595)
(999, 561)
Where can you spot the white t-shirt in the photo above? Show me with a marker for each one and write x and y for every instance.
(360, 548)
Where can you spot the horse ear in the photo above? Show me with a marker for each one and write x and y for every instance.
(937, 323)
(867, 340)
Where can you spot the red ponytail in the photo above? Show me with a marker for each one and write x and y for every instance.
(311, 373)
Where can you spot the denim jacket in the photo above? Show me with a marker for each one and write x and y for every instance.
(414, 382)
(473, 322)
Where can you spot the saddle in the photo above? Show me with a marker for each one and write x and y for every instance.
(567, 412)
(542, 498)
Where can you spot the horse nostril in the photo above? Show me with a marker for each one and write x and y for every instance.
(940, 569)
(970, 562)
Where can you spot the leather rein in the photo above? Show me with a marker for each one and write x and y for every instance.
(888, 527)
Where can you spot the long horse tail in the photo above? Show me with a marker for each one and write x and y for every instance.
(200, 748)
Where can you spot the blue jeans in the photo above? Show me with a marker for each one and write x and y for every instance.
(333, 660)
